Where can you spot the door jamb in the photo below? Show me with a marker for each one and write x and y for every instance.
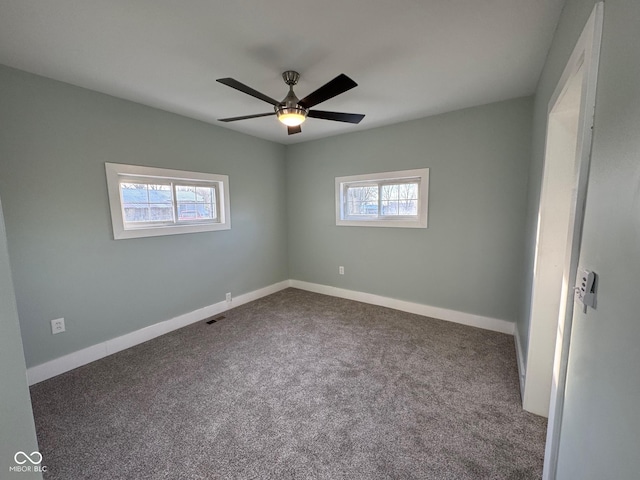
(586, 53)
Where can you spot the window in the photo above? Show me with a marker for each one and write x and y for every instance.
(147, 202)
(391, 199)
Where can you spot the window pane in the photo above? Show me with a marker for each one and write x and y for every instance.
(353, 208)
(160, 194)
(146, 202)
(136, 213)
(196, 203)
(408, 207)
(204, 194)
(361, 194)
(409, 191)
(389, 192)
(160, 213)
(186, 211)
(401, 207)
(185, 193)
(362, 200)
(390, 208)
(400, 199)
(369, 208)
(362, 208)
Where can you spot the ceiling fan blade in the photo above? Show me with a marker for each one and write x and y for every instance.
(230, 82)
(246, 117)
(292, 130)
(338, 85)
(336, 116)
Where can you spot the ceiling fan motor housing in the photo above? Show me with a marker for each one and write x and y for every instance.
(289, 107)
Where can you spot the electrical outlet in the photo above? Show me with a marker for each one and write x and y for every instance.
(228, 297)
(57, 326)
(341, 270)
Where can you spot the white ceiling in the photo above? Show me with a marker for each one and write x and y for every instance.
(411, 58)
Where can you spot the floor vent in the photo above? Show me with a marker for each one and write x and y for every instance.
(215, 319)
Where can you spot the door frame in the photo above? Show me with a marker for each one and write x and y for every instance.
(586, 55)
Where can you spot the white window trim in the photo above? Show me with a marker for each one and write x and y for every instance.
(420, 221)
(117, 172)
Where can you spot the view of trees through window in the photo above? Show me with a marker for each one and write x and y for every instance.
(167, 203)
(384, 199)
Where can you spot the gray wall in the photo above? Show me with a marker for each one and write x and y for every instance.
(54, 141)
(17, 430)
(600, 430)
(470, 257)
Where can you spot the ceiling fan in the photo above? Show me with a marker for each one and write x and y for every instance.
(292, 111)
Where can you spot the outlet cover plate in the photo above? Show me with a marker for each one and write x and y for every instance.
(57, 326)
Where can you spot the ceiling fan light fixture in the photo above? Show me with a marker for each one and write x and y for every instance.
(291, 116)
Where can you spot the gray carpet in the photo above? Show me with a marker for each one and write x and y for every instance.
(296, 386)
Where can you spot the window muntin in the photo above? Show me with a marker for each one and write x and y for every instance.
(147, 201)
(391, 199)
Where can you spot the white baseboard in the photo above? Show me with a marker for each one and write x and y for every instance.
(487, 323)
(90, 354)
(520, 359)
